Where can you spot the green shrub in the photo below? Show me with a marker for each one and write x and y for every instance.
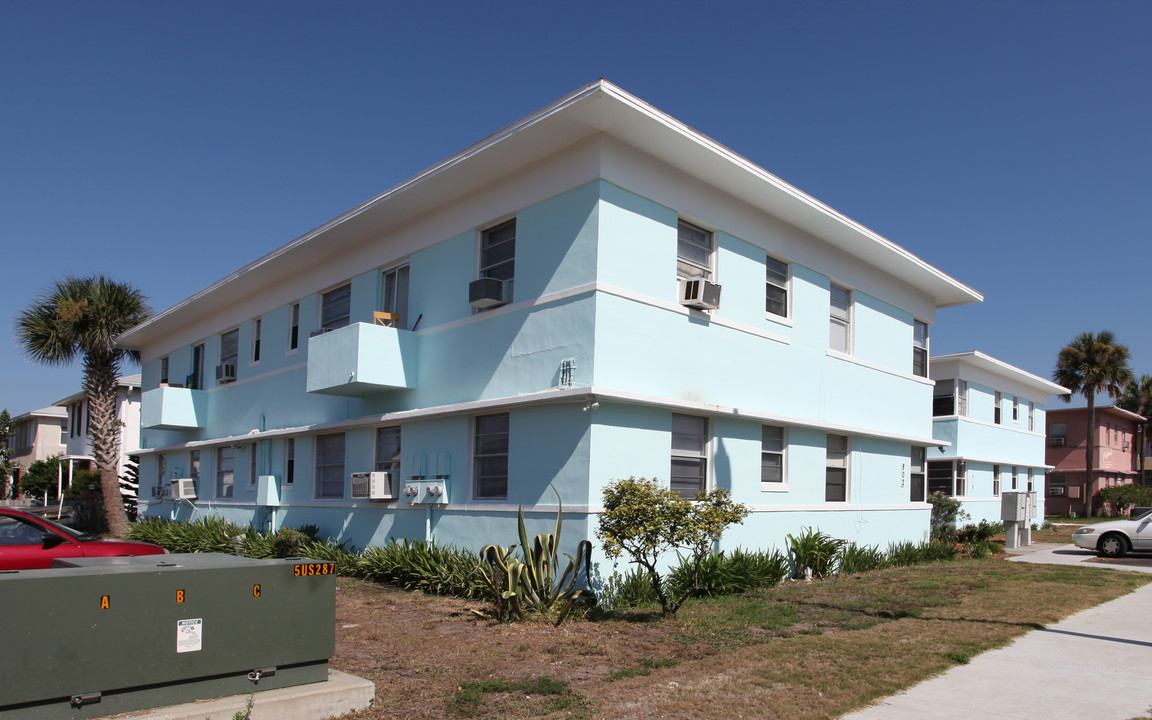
(981, 532)
(630, 590)
(859, 559)
(814, 554)
(721, 574)
(1120, 499)
(417, 565)
(946, 513)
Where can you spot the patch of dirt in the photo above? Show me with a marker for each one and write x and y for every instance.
(419, 650)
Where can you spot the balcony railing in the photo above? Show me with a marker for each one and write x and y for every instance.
(360, 359)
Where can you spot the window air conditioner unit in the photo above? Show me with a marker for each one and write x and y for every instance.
(1056, 490)
(700, 294)
(226, 373)
(1056, 441)
(184, 489)
(487, 292)
(372, 486)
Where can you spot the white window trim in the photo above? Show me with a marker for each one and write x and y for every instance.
(781, 486)
(847, 469)
(787, 287)
(293, 310)
(257, 341)
(710, 271)
(220, 347)
(849, 319)
(707, 450)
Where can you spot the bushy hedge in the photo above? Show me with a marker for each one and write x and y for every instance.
(1120, 499)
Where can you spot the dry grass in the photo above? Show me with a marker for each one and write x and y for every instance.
(803, 650)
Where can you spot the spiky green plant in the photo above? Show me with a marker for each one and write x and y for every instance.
(814, 554)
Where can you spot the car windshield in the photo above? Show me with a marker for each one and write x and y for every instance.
(1145, 516)
(72, 533)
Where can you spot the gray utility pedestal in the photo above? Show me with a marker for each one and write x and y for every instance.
(1017, 510)
(112, 635)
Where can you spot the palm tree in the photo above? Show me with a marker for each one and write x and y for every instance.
(1137, 398)
(1090, 365)
(82, 317)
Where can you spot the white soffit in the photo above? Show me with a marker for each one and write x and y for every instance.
(598, 107)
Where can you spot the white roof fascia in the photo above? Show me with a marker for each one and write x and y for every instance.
(978, 359)
(600, 107)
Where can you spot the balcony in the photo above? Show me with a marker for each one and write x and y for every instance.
(173, 408)
(361, 359)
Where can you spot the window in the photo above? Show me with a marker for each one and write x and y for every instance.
(229, 347)
(694, 252)
(491, 457)
(836, 469)
(225, 471)
(1015, 409)
(950, 398)
(919, 348)
(998, 401)
(161, 471)
(330, 466)
(995, 481)
(917, 475)
(1015, 480)
(940, 476)
(290, 461)
(395, 296)
(252, 464)
(388, 450)
(840, 325)
(1058, 434)
(194, 471)
(1031, 480)
(336, 307)
(196, 379)
(777, 287)
(294, 335)
(689, 467)
(498, 254)
(256, 340)
(164, 370)
(1031, 415)
(771, 457)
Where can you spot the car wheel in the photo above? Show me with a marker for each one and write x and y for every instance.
(1113, 545)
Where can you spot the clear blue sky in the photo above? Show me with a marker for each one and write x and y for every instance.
(166, 144)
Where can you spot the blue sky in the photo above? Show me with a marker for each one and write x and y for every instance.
(166, 144)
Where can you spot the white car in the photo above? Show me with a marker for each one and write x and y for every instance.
(1116, 537)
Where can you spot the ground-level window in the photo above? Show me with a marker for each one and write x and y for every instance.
(772, 443)
(995, 481)
(490, 457)
(330, 466)
(388, 450)
(836, 469)
(916, 475)
(225, 471)
(161, 471)
(940, 477)
(689, 474)
(194, 469)
(290, 461)
(1031, 480)
(252, 464)
(1015, 478)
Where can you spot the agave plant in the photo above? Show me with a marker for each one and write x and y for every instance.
(533, 581)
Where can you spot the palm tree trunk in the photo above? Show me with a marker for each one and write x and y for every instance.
(1089, 452)
(100, 379)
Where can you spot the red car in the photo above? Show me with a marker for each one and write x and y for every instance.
(28, 542)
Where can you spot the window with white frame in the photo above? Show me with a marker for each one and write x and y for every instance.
(997, 402)
(840, 319)
(950, 397)
(394, 296)
(164, 370)
(1031, 480)
(290, 461)
(251, 464)
(225, 471)
(776, 282)
(256, 340)
(336, 308)
(330, 466)
(772, 444)
(388, 450)
(490, 457)
(916, 475)
(498, 254)
(1015, 409)
(194, 469)
(1015, 477)
(944, 478)
(689, 473)
(1031, 415)
(919, 348)
(229, 347)
(294, 332)
(196, 378)
(995, 481)
(161, 471)
(695, 252)
(836, 469)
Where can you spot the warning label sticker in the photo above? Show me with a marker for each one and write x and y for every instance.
(189, 635)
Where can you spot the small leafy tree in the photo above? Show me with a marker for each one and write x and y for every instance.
(946, 514)
(646, 520)
(6, 432)
(41, 477)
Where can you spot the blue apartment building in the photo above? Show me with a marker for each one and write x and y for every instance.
(594, 292)
(990, 419)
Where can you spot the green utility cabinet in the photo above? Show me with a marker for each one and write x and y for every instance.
(111, 635)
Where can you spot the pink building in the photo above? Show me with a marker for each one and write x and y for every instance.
(1116, 461)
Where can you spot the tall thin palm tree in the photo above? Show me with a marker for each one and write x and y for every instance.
(82, 317)
(1090, 365)
(1137, 398)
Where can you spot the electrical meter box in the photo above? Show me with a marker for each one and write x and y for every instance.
(98, 636)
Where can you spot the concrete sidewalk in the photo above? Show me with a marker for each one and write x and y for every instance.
(1091, 665)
